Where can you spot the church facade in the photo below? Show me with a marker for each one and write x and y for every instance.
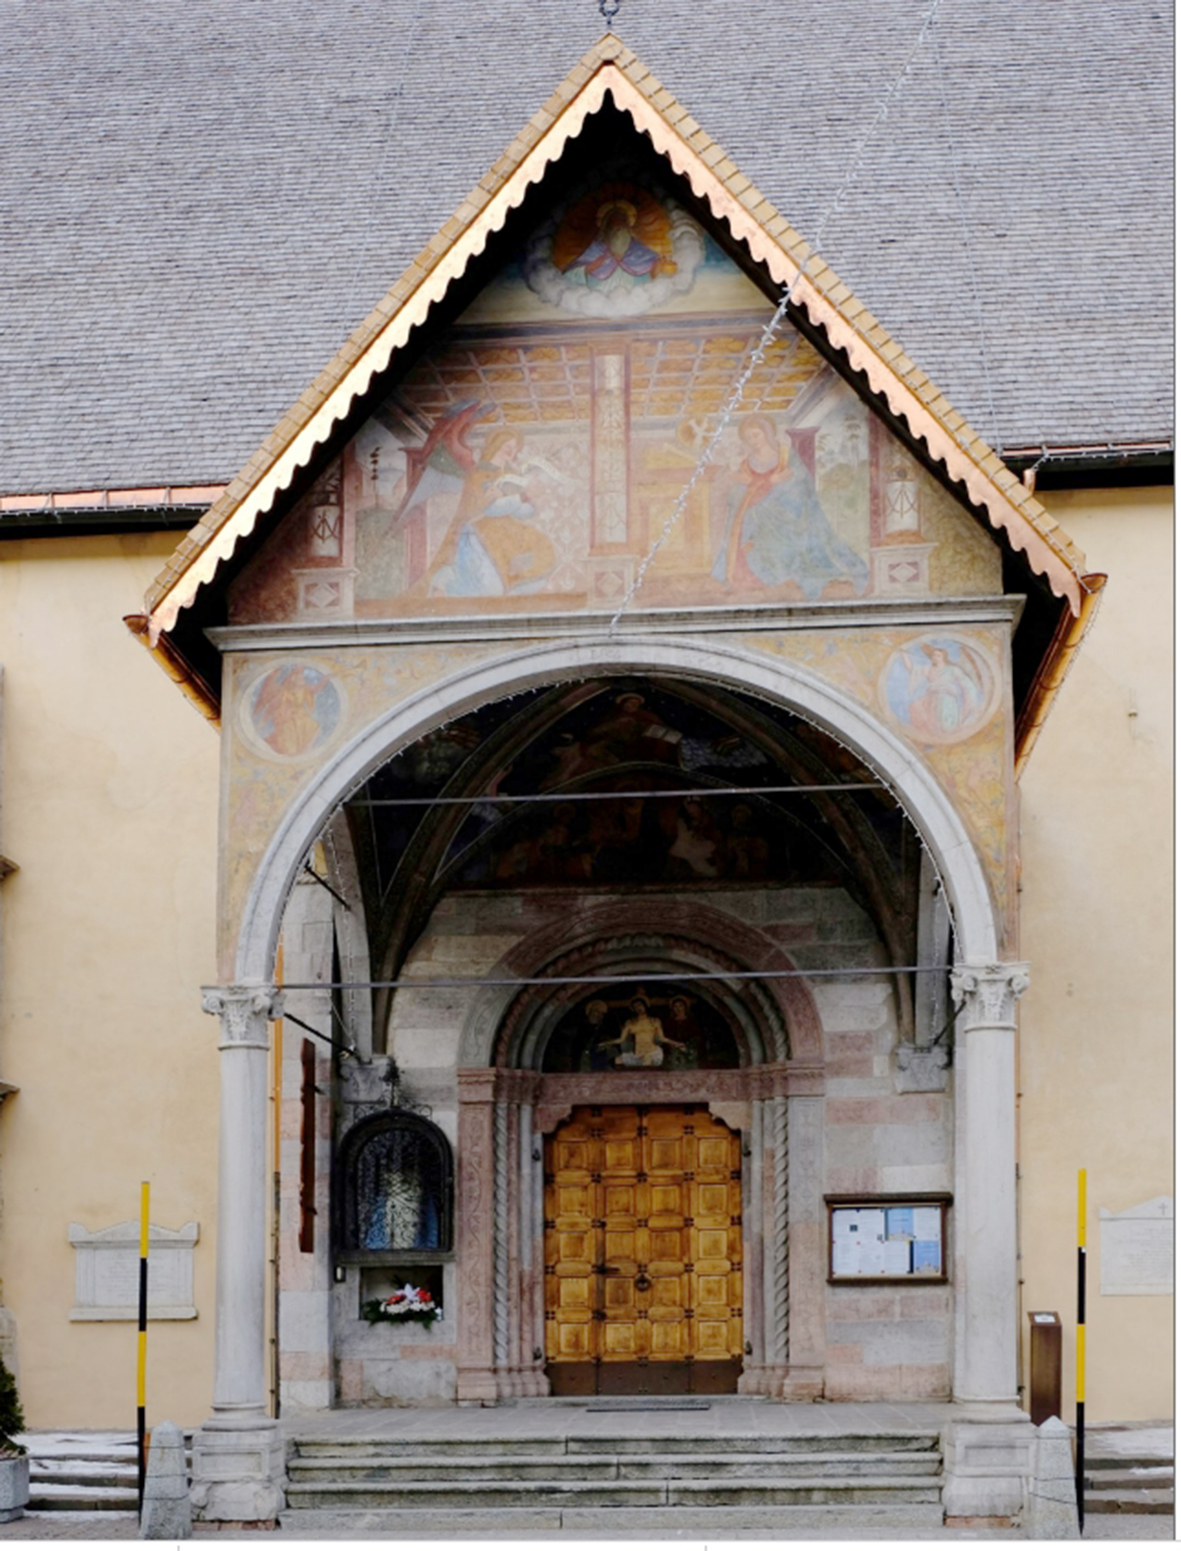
(624, 661)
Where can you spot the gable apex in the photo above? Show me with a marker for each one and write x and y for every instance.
(611, 70)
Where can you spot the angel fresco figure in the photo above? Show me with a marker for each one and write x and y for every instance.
(777, 530)
(943, 695)
(493, 546)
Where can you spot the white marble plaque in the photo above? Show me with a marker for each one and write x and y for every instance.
(1136, 1250)
(107, 1272)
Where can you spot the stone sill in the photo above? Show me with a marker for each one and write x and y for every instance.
(128, 1312)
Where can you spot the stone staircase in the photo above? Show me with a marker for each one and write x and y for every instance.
(82, 1474)
(628, 1484)
(1128, 1480)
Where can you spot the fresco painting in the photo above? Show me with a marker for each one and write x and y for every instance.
(532, 456)
(292, 710)
(939, 688)
(261, 783)
(630, 1025)
(889, 672)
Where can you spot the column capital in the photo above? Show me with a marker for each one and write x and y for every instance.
(244, 1011)
(986, 994)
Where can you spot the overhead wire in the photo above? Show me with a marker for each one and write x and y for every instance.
(623, 977)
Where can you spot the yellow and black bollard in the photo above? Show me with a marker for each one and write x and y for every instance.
(141, 1374)
(1080, 1356)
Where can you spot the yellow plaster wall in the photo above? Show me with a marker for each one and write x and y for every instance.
(110, 783)
(1097, 923)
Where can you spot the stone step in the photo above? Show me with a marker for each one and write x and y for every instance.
(71, 1475)
(453, 1495)
(1131, 1500)
(50, 1497)
(600, 1467)
(783, 1522)
(1116, 1480)
(310, 1446)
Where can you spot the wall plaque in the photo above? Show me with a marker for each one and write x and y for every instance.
(107, 1272)
(1136, 1250)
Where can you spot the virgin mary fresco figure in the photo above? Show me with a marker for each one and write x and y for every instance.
(777, 531)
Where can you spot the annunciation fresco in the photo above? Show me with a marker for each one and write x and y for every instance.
(530, 458)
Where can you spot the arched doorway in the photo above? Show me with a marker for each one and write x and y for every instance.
(500, 1109)
(643, 1228)
(643, 1252)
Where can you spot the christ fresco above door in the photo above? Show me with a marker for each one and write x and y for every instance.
(531, 457)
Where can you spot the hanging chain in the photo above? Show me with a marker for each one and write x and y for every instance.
(785, 301)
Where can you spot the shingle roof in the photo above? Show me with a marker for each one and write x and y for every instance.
(200, 201)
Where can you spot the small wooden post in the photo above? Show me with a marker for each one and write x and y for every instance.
(1080, 1356)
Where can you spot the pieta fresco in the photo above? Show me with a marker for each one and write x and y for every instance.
(530, 459)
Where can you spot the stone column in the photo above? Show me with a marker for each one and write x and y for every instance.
(238, 1455)
(807, 1263)
(988, 1445)
(474, 1235)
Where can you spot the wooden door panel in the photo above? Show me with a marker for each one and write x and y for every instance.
(643, 1251)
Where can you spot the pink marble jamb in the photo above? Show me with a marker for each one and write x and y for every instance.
(352, 1379)
(474, 1228)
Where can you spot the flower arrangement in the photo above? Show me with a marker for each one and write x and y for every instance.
(407, 1304)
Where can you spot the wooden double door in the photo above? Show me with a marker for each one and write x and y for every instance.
(643, 1252)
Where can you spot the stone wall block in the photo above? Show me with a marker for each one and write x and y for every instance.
(351, 1379)
(896, 1342)
(845, 1181)
(907, 1110)
(910, 1145)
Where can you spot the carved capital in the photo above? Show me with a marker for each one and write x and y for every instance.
(920, 1068)
(986, 994)
(369, 1083)
(244, 1011)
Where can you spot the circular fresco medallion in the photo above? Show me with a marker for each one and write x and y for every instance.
(939, 688)
(291, 710)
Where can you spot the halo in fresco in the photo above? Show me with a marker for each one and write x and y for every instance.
(939, 688)
(617, 252)
(291, 710)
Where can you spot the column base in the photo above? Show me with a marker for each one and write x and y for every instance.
(525, 1383)
(802, 1383)
(239, 1471)
(762, 1379)
(476, 1386)
(987, 1461)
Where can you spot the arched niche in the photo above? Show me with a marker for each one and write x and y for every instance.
(775, 1019)
(394, 1188)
